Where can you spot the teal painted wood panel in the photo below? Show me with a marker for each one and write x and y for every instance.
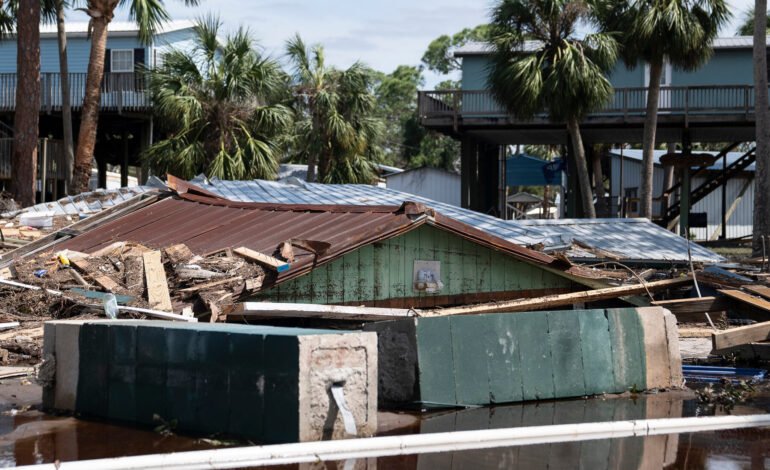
(350, 277)
(535, 351)
(380, 271)
(598, 369)
(627, 349)
(335, 282)
(566, 356)
(469, 354)
(470, 274)
(398, 284)
(365, 273)
(503, 359)
(411, 246)
(434, 353)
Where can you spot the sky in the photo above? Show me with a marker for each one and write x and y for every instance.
(382, 34)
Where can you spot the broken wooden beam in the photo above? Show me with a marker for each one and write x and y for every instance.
(740, 336)
(559, 300)
(754, 302)
(157, 286)
(208, 285)
(104, 281)
(762, 291)
(693, 309)
(329, 312)
(273, 263)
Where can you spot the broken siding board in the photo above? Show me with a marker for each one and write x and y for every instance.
(597, 352)
(537, 376)
(158, 295)
(566, 355)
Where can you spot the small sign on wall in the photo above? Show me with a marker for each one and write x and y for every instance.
(427, 276)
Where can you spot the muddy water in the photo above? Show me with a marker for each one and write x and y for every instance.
(32, 437)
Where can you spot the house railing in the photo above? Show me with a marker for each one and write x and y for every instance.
(689, 101)
(51, 162)
(119, 91)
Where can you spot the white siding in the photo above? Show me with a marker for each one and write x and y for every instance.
(430, 183)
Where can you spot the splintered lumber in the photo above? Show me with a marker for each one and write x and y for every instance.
(329, 312)
(273, 263)
(106, 282)
(560, 300)
(693, 309)
(740, 336)
(762, 291)
(178, 253)
(157, 286)
(208, 285)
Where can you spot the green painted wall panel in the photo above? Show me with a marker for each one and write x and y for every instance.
(535, 351)
(597, 352)
(469, 354)
(385, 271)
(627, 349)
(434, 353)
(566, 356)
(503, 360)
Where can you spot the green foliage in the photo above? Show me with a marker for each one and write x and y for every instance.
(336, 119)
(649, 30)
(746, 28)
(555, 71)
(221, 108)
(438, 57)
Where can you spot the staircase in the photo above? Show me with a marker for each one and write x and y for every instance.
(718, 179)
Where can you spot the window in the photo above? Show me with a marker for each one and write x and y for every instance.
(122, 60)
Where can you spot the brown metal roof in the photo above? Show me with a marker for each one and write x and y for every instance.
(209, 224)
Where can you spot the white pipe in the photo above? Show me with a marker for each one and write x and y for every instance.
(158, 314)
(8, 282)
(285, 454)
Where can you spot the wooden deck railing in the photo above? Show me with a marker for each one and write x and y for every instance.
(625, 102)
(120, 92)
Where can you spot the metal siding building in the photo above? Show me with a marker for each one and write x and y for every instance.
(740, 220)
(431, 183)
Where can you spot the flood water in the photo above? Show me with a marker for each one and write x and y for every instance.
(31, 437)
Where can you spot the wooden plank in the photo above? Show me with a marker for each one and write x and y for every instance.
(157, 286)
(523, 305)
(749, 351)
(207, 285)
(693, 305)
(740, 336)
(104, 281)
(268, 261)
(743, 297)
(332, 312)
(762, 291)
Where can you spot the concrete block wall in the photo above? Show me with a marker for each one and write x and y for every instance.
(513, 357)
(267, 384)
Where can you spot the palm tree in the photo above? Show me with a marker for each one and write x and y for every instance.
(25, 121)
(655, 31)
(762, 123)
(64, 81)
(336, 129)
(149, 15)
(220, 104)
(746, 28)
(558, 73)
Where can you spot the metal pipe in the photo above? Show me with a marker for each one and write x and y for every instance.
(304, 452)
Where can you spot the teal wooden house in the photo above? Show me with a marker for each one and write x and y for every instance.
(713, 104)
(407, 256)
(125, 119)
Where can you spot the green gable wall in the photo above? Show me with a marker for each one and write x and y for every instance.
(379, 273)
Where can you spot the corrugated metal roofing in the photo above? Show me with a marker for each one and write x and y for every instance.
(482, 48)
(207, 224)
(84, 203)
(630, 239)
(300, 192)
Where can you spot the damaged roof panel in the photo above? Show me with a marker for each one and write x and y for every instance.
(628, 239)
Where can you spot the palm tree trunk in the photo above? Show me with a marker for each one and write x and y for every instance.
(89, 119)
(312, 158)
(69, 157)
(648, 139)
(582, 168)
(24, 160)
(762, 123)
(599, 180)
